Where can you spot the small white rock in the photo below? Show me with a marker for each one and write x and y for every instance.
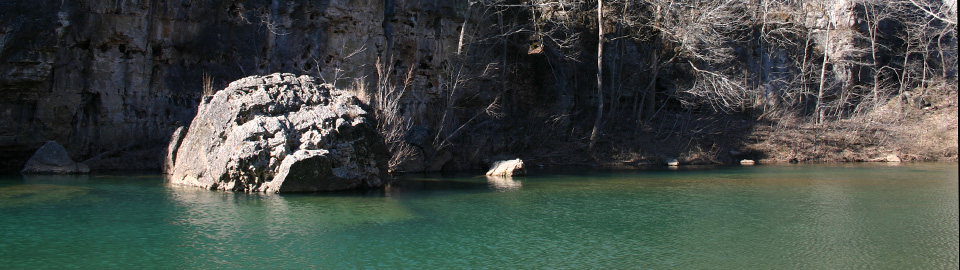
(512, 167)
(672, 162)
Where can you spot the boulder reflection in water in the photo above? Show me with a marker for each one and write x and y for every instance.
(503, 183)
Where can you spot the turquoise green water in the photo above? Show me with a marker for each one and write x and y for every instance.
(766, 217)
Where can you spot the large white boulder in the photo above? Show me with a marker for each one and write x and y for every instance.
(279, 133)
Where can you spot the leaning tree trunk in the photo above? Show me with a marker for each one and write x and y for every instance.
(823, 79)
(596, 124)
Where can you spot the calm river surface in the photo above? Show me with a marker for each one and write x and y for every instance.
(767, 217)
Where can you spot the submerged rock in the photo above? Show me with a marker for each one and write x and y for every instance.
(512, 167)
(52, 158)
(39, 194)
(279, 133)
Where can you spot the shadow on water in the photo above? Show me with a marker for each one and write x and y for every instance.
(438, 183)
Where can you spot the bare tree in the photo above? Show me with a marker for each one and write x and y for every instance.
(386, 102)
(703, 35)
(596, 124)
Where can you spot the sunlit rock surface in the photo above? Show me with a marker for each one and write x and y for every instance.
(279, 133)
(507, 168)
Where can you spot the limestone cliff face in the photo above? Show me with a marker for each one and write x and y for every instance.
(113, 78)
(105, 75)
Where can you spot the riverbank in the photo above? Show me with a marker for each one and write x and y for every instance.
(911, 130)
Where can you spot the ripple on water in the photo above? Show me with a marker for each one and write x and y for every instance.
(284, 214)
(762, 217)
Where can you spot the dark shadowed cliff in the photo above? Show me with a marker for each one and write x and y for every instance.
(458, 84)
(100, 76)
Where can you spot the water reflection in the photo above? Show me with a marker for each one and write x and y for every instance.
(222, 226)
(415, 184)
(503, 183)
(275, 215)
